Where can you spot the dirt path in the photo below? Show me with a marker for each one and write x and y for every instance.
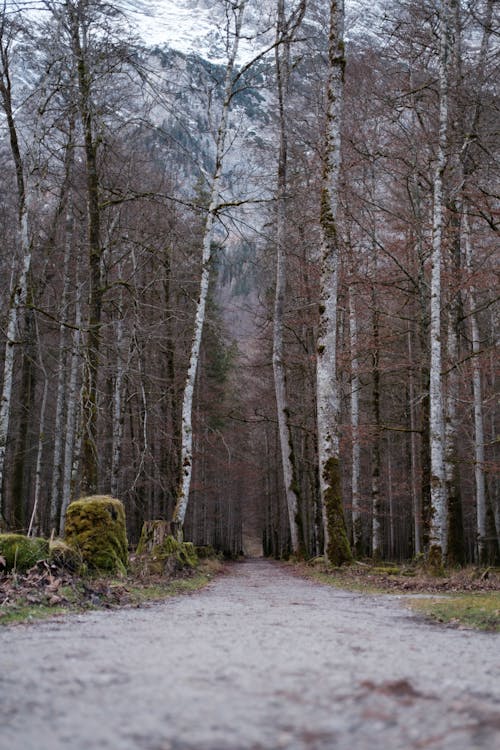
(259, 660)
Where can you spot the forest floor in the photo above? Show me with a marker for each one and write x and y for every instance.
(467, 596)
(46, 591)
(260, 659)
(409, 578)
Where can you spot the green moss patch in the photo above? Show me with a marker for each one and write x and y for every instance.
(95, 527)
(21, 552)
(479, 611)
(206, 552)
(63, 556)
(160, 553)
(338, 549)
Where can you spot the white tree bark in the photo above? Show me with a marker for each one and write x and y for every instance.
(187, 403)
(439, 527)
(336, 543)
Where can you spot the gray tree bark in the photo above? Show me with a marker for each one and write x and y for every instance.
(284, 36)
(337, 549)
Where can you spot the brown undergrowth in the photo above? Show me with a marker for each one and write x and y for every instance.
(404, 579)
(468, 597)
(45, 590)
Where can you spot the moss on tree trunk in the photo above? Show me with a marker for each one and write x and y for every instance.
(338, 550)
(159, 552)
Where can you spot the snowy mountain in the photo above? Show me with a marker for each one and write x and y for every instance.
(197, 26)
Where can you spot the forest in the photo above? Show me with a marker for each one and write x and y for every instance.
(254, 295)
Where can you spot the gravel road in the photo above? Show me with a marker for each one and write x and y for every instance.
(259, 660)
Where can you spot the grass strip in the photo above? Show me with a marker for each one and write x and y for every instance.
(480, 611)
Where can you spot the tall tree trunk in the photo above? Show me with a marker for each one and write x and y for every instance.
(470, 136)
(20, 267)
(172, 412)
(337, 549)
(456, 550)
(390, 494)
(439, 526)
(419, 388)
(20, 482)
(415, 494)
(479, 458)
(377, 531)
(187, 402)
(290, 483)
(357, 528)
(57, 463)
(72, 411)
(118, 411)
(35, 520)
(89, 464)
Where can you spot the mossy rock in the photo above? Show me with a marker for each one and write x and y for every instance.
(64, 557)
(95, 527)
(21, 552)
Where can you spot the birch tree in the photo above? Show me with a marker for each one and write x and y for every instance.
(439, 527)
(337, 548)
(285, 30)
(234, 25)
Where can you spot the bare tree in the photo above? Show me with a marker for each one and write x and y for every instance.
(21, 262)
(439, 523)
(285, 30)
(337, 548)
